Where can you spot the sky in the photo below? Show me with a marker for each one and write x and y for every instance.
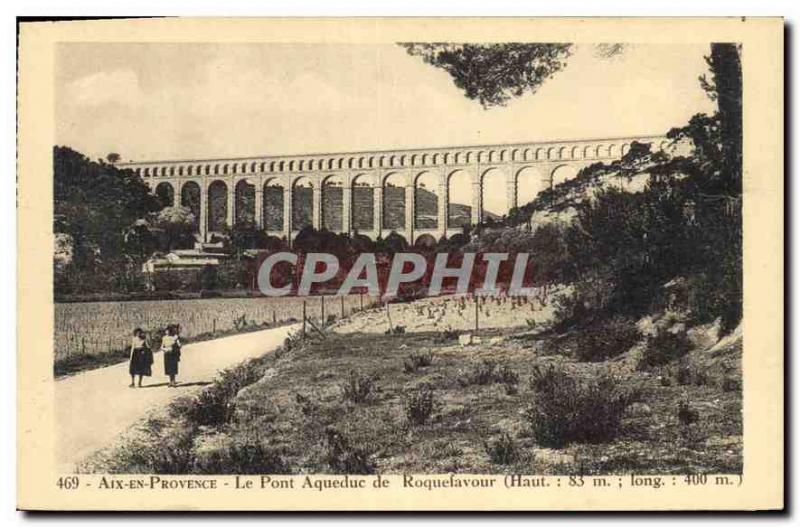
(161, 101)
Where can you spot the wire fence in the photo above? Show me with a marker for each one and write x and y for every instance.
(99, 327)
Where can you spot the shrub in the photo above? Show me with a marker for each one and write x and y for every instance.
(445, 336)
(487, 372)
(503, 450)
(607, 339)
(343, 457)
(358, 388)
(396, 330)
(565, 410)
(687, 415)
(419, 406)
(306, 404)
(241, 456)
(416, 361)
(214, 405)
(167, 449)
(483, 373)
(663, 348)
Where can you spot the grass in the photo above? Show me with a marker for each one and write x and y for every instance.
(431, 421)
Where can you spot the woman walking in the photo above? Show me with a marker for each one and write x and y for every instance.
(171, 346)
(141, 359)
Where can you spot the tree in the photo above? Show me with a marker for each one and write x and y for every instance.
(246, 235)
(494, 73)
(113, 158)
(96, 204)
(175, 228)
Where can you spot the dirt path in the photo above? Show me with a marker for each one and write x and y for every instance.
(94, 407)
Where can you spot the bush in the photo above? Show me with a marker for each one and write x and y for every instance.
(419, 406)
(343, 457)
(358, 388)
(607, 339)
(566, 410)
(502, 451)
(307, 405)
(663, 348)
(416, 361)
(445, 336)
(487, 372)
(167, 449)
(483, 373)
(214, 405)
(241, 456)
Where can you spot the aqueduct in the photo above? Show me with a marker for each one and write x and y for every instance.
(428, 191)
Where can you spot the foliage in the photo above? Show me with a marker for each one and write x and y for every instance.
(95, 205)
(175, 228)
(565, 409)
(416, 361)
(246, 455)
(343, 457)
(503, 450)
(419, 405)
(606, 339)
(494, 73)
(358, 388)
(663, 348)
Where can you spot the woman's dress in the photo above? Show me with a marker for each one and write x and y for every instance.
(171, 346)
(141, 358)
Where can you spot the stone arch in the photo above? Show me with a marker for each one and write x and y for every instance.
(217, 205)
(552, 153)
(426, 200)
(302, 203)
(562, 173)
(190, 198)
(333, 203)
(272, 205)
(529, 183)
(459, 198)
(541, 154)
(363, 203)
(244, 202)
(598, 152)
(575, 153)
(587, 152)
(562, 153)
(394, 201)
(494, 194)
(165, 193)
(612, 150)
(625, 149)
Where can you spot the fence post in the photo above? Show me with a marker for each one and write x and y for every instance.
(361, 300)
(477, 313)
(214, 326)
(342, 299)
(274, 318)
(322, 314)
(304, 318)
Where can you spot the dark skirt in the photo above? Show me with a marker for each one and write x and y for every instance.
(171, 359)
(141, 362)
